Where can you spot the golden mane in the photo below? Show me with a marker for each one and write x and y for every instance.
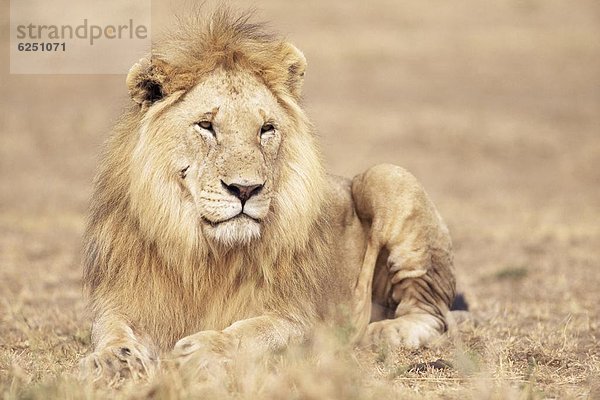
(136, 235)
(201, 44)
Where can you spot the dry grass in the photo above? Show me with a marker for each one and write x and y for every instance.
(495, 106)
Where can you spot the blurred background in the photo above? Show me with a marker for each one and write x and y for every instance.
(494, 106)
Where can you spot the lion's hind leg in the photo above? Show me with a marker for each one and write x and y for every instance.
(420, 310)
(410, 331)
(419, 272)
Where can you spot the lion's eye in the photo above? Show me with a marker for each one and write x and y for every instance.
(266, 128)
(205, 125)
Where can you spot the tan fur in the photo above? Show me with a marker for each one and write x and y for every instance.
(173, 258)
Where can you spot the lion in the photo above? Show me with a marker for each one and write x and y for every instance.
(214, 229)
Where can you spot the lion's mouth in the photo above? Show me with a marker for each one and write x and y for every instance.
(240, 216)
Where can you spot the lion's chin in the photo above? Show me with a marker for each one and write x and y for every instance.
(236, 231)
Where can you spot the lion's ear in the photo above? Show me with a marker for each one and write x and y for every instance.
(145, 81)
(295, 64)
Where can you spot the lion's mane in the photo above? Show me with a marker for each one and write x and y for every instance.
(145, 259)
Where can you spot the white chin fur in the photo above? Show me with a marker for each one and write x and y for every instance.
(239, 231)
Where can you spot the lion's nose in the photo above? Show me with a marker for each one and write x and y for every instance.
(242, 192)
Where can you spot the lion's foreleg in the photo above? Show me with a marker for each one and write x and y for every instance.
(210, 351)
(403, 220)
(118, 352)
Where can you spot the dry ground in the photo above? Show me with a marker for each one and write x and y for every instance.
(495, 106)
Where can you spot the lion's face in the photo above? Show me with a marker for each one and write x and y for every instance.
(222, 153)
(221, 141)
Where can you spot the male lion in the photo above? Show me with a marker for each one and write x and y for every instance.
(214, 228)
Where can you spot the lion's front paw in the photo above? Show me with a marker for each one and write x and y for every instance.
(114, 363)
(204, 354)
(411, 331)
